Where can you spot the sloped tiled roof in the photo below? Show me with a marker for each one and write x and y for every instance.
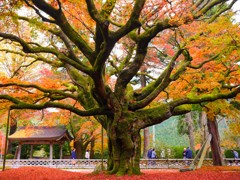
(40, 133)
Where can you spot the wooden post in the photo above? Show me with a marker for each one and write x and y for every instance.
(60, 151)
(19, 151)
(51, 151)
(31, 151)
(204, 151)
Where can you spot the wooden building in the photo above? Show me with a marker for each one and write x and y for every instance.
(37, 135)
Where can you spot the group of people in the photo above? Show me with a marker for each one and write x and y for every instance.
(187, 153)
(152, 154)
(74, 155)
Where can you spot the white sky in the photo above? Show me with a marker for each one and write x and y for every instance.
(236, 7)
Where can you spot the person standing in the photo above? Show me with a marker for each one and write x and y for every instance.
(149, 153)
(87, 154)
(73, 156)
(154, 156)
(235, 154)
(188, 155)
(184, 153)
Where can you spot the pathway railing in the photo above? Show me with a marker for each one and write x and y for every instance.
(91, 163)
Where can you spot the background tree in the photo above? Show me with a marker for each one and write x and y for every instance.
(232, 139)
(203, 126)
(86, 132)
(214, 110)
(90, 47)
(187, 124)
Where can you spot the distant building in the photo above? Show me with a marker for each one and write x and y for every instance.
(37, 135)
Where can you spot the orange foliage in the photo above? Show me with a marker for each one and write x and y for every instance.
(205, 41)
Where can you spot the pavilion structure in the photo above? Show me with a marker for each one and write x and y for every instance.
(37, 135)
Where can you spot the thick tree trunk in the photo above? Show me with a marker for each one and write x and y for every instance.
(215, 142)
(80, 149)
(124, 149)
(189, 121)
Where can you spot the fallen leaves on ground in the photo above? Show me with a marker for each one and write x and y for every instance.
(42, 173)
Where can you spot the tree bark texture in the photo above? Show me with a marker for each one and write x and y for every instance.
(146, 133)
(215, 142)
(124, 149)
(146, 145)
(189, 122)
(80, 149)
(203, 126)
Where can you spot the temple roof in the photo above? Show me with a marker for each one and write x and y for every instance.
(32, 133)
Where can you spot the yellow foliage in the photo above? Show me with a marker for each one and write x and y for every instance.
(71, 144)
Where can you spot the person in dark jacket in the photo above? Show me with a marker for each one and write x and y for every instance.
(73, 156)
(188, 153)
(149, 156)
(184, 153)
(149, 153)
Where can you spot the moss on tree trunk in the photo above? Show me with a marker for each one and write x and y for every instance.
(124, 150)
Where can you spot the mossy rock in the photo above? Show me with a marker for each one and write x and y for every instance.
(98, 168)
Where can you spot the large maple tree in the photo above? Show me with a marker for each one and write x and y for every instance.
(102, 47)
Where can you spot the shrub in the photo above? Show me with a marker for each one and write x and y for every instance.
(229, 154)
(162, 147)
(174, 152)
(98, 155)
(177, 152)
(9, 156)
(210, 154)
